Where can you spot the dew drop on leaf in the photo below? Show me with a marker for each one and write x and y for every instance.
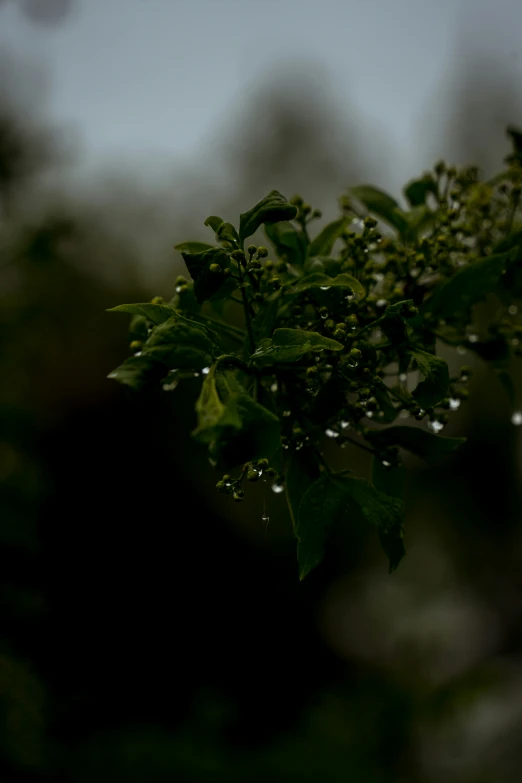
(277, 488)
(369, 414)
(274, 387)
(344, 424)
(205, 371)
(516, 418)
(325, 287)
(435, 426)
(386, 463)
(454, 403)
(331, 433)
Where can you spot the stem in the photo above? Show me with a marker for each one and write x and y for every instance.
(360, 445)
(247, 320)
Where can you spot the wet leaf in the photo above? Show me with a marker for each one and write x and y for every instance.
(271, 209)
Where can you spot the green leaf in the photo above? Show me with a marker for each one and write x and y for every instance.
(175, 344)
(193, 247)
(271, 209)
(156, 313)
(301, 472)
(323, 243)
(435, 370)
(382, 205)
(213, 415)
(139, 372)
(208, 285)
(289, 345)
(393, 323)
(259, 435)
(289, 243)
(265, 320)
(318, 280)
(420, 442)
(468, 286)
(389, 480)
(418, 190)
(214, 222)
(381, 511)
(227, 233)
(323, 503)
(332, 499)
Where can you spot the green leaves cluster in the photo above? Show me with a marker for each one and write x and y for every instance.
(343, 331)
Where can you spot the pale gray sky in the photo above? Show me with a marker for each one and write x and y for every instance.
(157, 78)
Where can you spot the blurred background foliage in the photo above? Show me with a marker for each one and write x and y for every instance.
(151, 631)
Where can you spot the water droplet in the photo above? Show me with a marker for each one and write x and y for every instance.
(386, 463)
(178, 289)
(403, 377)
(512, 309)
(461, 350)
(369, 414)
(344, 424)
(287, 413)
(265, 519)
(274, 387)
(205, 371)
(473, 338)
(349, 297)
(435, 426)
(277, 488)
(138, 353)
(331, 433)
(352, 363)
(325, 287)
(454, 403)
(196, 375)
(516, 418)
(324, 316)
